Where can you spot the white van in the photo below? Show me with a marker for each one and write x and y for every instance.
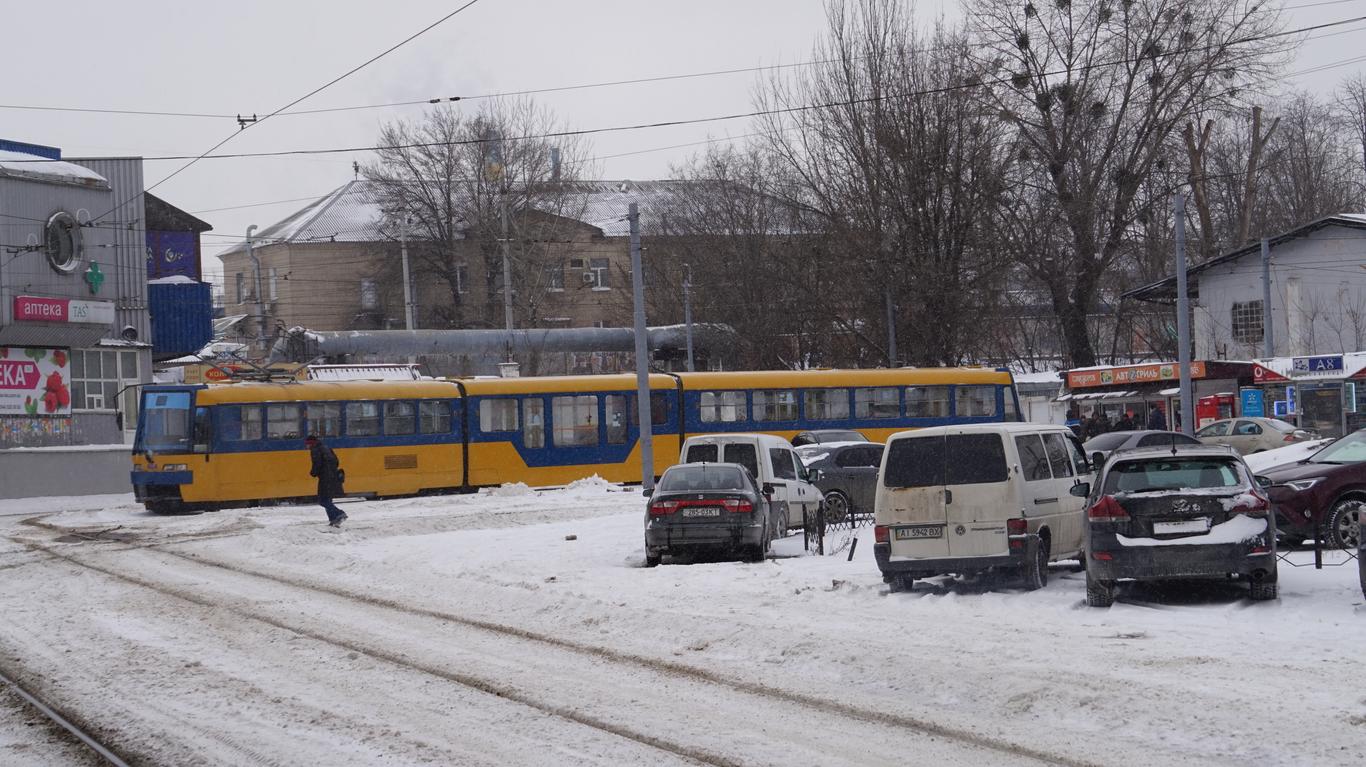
(969, 498)
(770, 459)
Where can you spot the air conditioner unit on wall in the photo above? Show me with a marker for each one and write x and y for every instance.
(589, 278)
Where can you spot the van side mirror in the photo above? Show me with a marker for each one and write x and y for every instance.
(1081, 489)
(812, 475)
(1264, 483)
(767, 489)
(647, 492)
(1097, 459)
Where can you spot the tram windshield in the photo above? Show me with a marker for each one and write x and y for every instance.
(165, 426)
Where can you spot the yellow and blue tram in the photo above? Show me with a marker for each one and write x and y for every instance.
(213, 446)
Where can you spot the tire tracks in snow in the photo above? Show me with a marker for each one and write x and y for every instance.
(670, 668)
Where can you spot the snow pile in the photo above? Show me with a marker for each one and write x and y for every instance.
(1282, 456)
(510, 490)
(1236, 530)
(592, 486)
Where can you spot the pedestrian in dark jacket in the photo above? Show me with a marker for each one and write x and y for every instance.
(1096, 425)
(1157, 421)
(1126, 422)
(329, 474)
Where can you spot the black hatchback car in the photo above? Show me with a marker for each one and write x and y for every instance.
(1183, 512)
(708, 506)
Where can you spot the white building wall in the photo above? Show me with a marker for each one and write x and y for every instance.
(1318, 298)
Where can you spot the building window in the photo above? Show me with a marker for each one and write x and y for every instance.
(369, 295)
(97, 376)
(241, 287)
(1247, 322)
(554, 275)
(274, 284)
(601, 268)
(462, 278)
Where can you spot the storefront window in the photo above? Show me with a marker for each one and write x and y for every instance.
(98, 375)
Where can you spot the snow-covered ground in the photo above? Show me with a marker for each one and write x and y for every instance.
(519, 626)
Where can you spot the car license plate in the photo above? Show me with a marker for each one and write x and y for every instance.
(702, 511)
(919, 531)
(1197, 525)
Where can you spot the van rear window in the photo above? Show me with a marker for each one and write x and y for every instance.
(702, 454)
(959, 459)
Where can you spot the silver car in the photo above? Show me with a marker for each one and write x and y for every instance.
(1253, 435)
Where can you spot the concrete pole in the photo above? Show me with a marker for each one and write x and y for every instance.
(687, 310)
(891, 327)
(647, 453)
(1183, 330)
(507, 268)
(409, 311)
(260, 304)
(1268, 325)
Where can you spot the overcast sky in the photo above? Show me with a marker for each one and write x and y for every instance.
(257, 55)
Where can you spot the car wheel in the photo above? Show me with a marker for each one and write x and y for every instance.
(836, 507)
(1035, 571)
(652, 560)
(1341, 529)
(1264, 589)
(1099, 593)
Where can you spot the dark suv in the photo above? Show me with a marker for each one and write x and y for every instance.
(1325, 493)
(1177, 512)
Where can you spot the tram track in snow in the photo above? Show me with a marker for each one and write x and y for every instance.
(66, 724)
(596, 654)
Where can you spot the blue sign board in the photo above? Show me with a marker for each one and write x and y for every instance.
(1325, 364)
(171, 254)
(1279, 408)
(1289, 400)
(1253, 403)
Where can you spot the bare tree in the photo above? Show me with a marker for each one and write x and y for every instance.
(448, 177)
(1098, 90)
(904, 169)
(1351, 104)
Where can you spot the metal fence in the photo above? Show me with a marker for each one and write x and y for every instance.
(824, 533)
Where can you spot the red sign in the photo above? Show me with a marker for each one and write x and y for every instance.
(15, 374)
(1134, 374)
(1262, 375)
(40, 309)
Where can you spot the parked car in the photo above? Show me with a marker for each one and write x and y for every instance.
(1253, 435)
(846, 474)
(708, 506)
(770, 460)
(971, 498)
(1099, 448)
(1323, 494)
(821, 436)
(1189, 512)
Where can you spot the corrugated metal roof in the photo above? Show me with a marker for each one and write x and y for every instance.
(350, 213)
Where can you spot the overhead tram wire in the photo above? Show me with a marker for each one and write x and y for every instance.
(503, 94)
(311, 93)
(701, 120)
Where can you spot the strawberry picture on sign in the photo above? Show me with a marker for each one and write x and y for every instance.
(34, 382)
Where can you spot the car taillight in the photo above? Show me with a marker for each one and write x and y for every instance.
(1016, 528)
(1289, 438)
(1253, 505)
(737, 505)
(881, 533)
(1107, 508)
(663, 508)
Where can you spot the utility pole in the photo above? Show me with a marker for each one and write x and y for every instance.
(507, 268)
(891, 328)
(687, 310)
(409, 308)
(1183, 330)
(1267, 324)
(647, 453)
(260, 305)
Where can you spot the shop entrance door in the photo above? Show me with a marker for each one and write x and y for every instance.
(1320, 408)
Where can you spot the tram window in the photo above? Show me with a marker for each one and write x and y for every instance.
(659, 408)
(362, 419)
(203, 429)
(241, 422)
(775, 405)
(282, 420)
(974, 400)
(882, 402)
(722, 406)
(576, 420)
(827, 404)
(434, 417)
(927, 401)
(400, 417)
(324, 419)
(497, 415)
(617, 419)
(533, 416)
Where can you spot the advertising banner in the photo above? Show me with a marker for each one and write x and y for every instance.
(171, 254)
(1133, 374)
(34, 382)
(1253, 403)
